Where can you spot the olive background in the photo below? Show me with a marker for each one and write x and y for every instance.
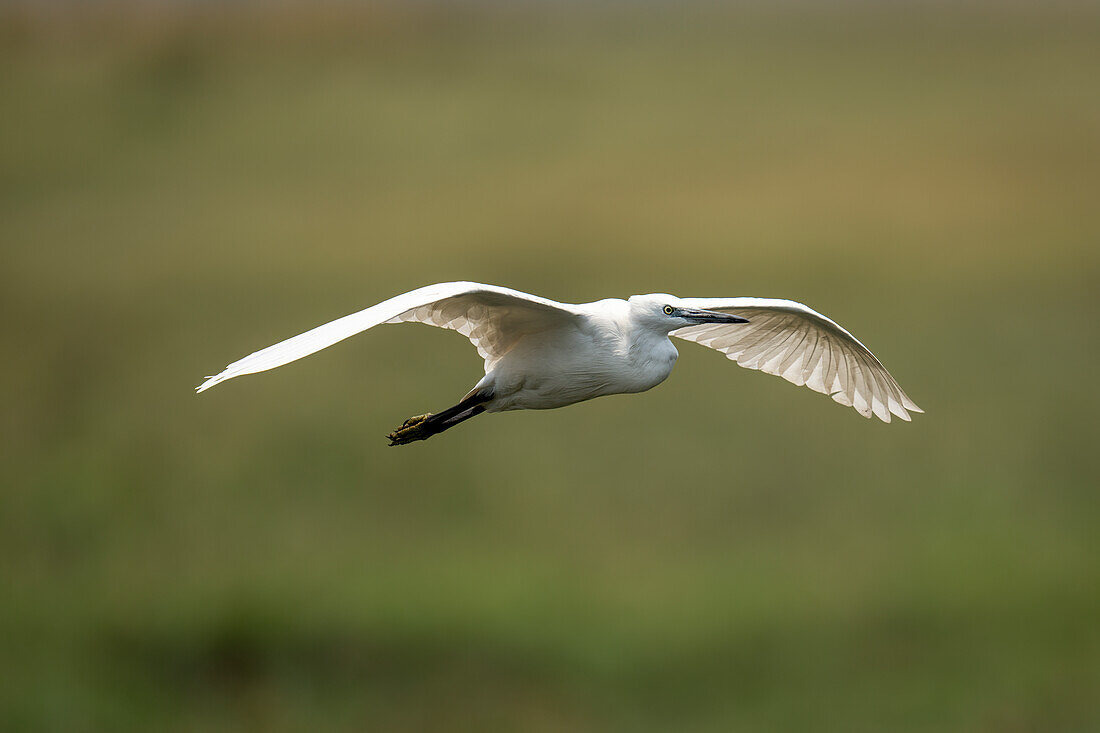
(183, 184)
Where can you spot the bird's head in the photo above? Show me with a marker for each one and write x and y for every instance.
(666, 313)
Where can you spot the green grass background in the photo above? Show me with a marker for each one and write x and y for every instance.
(181, 187)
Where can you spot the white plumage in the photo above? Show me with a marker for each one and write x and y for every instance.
(542, 354)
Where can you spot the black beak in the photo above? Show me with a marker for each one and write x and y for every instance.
(702, 316)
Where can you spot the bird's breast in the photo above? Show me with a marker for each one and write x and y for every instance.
(619, 363)
(539, 376)
(647, 365)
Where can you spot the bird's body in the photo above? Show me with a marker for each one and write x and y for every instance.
(540, 354)
(601, 353)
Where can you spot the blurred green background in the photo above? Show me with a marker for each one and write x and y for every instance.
(182, 185)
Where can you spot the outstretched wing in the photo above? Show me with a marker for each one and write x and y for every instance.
(797, 343)
(493, 318)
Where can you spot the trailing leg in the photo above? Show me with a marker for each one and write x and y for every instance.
(423, 427)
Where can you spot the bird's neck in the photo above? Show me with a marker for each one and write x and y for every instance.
(646, 345)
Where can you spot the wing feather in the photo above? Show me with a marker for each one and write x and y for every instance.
(492, 317)
(797, 343)
(791, 368)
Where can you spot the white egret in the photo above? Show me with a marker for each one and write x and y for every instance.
(541, 354)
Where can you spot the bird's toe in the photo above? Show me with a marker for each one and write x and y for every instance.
(415, 420)
(410, 430)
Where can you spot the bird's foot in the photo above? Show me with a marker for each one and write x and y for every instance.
(411, 430)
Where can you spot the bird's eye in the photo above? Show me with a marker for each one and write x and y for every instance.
(668, 310)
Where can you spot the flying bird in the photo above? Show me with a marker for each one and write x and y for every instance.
(540, 354)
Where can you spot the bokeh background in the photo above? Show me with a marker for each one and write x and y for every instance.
(181, 184)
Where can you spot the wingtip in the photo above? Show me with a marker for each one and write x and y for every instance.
(909, 404)
(210, 382)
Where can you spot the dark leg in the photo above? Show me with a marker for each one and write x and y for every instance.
(423, 427)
